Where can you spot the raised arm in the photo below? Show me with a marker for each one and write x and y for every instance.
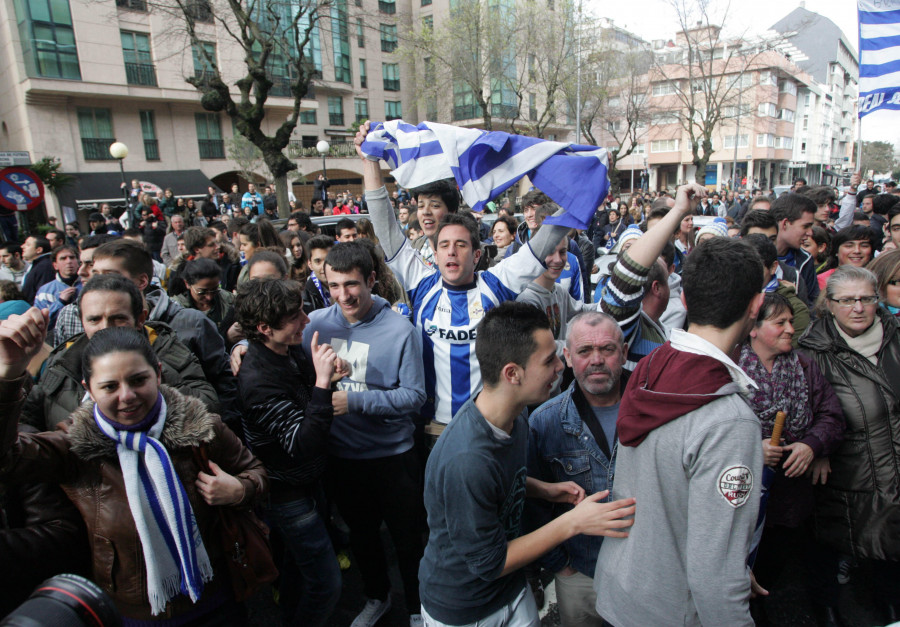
(387, 229)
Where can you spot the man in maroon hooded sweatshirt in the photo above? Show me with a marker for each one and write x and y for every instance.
(691, 456)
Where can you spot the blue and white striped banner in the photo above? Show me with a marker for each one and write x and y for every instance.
(487, 163)
(879, 55)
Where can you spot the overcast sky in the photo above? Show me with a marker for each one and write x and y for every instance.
(656, 19)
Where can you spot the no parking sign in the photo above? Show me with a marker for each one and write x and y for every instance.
(20, 189)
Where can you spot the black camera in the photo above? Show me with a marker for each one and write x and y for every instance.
(65, 601)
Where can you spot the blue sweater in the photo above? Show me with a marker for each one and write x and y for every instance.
(474, 494)
(386, 386)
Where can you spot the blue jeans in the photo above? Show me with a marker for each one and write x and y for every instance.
(310, 575)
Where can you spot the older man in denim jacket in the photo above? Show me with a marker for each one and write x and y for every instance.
(573, 438)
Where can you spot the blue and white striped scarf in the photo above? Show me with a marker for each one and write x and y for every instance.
(176, 559)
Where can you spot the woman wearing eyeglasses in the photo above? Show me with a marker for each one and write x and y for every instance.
(887, 268)
(856, 344)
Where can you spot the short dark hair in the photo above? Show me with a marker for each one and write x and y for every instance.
(882, 203)
(116, 340)
(821, 195)
(510, 223)
(462, 220)
(791, 207)
(236, 224)
(773, 304)
(132, 232)
(115, 283)
(135, 257)
(269, 256)
(199, 269)
(344, 223)
(60, 250)
(42, 243)
(266, 301)
(506, 335)
(852, 233)
(10, 291)
(95, 241)
(348, 256)
(668, 254)
(12, 248)
(535, 197)
(60, 235)
(322, 242)
(658, 213)
(720, 279)
(445, 189)
(195, 237)
(303, 220)
(760, 219)
(800, 179)
(757, 200)
(764, 246)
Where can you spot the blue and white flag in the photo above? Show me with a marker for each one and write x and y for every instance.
(487, 163)
(879, 55)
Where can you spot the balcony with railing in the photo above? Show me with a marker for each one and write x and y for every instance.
(211, 148)
(140, 74)
(388, 45)
(151, 149)
(97, 149)
(336, 119)
(296, 150)
(391, 84)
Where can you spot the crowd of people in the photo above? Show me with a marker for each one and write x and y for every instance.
(508, 398)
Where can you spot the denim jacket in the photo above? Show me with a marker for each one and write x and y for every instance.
(561, 447)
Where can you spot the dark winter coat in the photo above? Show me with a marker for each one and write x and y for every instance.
(858, 510)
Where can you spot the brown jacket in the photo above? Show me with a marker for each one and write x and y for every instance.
(85, 463)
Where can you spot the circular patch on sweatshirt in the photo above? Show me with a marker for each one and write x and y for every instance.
(735, 484)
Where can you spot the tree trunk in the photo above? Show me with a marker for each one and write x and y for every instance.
(281, 193)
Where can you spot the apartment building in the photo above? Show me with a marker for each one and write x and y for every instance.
(77, 75)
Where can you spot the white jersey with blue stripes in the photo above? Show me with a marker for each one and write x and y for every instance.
(448, 317)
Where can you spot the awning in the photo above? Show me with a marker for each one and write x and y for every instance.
(90, 189)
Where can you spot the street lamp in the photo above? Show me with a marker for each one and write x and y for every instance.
(323, 147)
(119, 151)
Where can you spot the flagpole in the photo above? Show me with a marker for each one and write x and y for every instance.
(859, 146)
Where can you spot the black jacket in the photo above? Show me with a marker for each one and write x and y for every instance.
(41, 272)
(286, 420)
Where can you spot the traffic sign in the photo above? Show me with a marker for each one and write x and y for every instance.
(20, 189)
(14, 157)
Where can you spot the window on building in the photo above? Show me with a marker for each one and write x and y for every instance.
(139, 69)
(764, 140)
(335, 110)
(425, 3)
(363, 79)
(340, 40)
(464, 106)
(660, 119)
(95, 127)
(803, 147)
(148, 131)
(504, 103)
(663, 89)
(360, 33)
(532, 107)
(209, 136)
(664, 145)
(389, 7)
(132, 5)
(784, 143)
(388, 37)
(392, 110)
(768, 78)
(312, 52)
(204, 57)
(614, 103)
(788, 87)
(47, 38)
(428, 23)
(431, 109)
(766, 109)
(786, 115)
(743, 141)
(640, 149)
(612, 127)
(390, 72)
(361, 109)
(308, 116)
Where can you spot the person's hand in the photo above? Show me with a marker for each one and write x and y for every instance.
(123, 185)
(688, 197)
(593, 518)
(567, 571)
(820, 469)
(237, 356)
(771, 454)
(360, 138)
(235, 334)
(342, 369)
(21, 338)
(756, 590)
(797, 463)
(323, 357)
(562, 492)
(339, 401)
(219, 488)
(855, 179)
(67, 295)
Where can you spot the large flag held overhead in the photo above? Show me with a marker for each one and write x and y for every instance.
(485, 164)
(879, 55)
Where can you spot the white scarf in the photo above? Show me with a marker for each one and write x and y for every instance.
(176, 559)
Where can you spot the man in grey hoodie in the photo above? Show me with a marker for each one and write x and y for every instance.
(691, 456)
(372, 464)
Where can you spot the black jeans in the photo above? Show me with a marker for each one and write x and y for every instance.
(369, 492)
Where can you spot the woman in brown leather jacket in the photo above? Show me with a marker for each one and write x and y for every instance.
(126, 460)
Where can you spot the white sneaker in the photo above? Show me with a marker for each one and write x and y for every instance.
(372, 613)
(416, 620)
